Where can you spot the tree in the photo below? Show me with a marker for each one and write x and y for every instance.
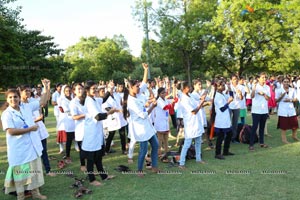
(94, 58)
(25, 55)
(261, 36)
(183, 34)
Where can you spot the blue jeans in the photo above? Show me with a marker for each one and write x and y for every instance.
(258, 119)
(44, 156)
(143, 151)
(186, 146)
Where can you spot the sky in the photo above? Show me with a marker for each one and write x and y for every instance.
(68, 20)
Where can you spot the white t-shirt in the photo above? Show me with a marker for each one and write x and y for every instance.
(286, 109)
(236, 103)
(259, 103)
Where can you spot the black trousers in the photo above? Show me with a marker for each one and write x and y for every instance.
(221, 135)
(174, 121)
(111, 135)
(81, 157)
(70, 138)
(44, 156)
(94, 158)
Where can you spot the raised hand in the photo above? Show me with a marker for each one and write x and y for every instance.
(145, 66)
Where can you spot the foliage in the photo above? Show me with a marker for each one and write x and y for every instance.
(25, 55)
(265, 39)
(94, 58)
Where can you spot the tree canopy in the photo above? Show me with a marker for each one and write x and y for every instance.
(194, 39)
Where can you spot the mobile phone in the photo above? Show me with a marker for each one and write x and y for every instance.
(231, 93)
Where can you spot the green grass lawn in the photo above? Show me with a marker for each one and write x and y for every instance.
(271, 173)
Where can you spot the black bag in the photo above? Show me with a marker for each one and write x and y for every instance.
(122, 168)
(244, 134)
(191, 153)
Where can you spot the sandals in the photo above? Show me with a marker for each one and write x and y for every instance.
(201, 162)
(148, 165)
(182, 167)
(85, 190)
(78, 194)
(264, 146)
(130, 160)
(52, 158)
(141, 174)
(61, 164)
(96, 183)
(109, 178)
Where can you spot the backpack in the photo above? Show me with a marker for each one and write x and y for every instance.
(191, 153)
(244, 135)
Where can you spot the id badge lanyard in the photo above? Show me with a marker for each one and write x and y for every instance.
(21, 117)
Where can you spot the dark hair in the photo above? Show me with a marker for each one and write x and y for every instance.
(178, 85)
(159, 91)
(234, 75)
(75, 84)
(23, 87)
(89, 84)
(185, 84)
(133, 82)
(67, 86)
(218, 84)
(261, 74)
(195, 81)
(82, 98)
(57, 85)
(10, 90)
(124, 105)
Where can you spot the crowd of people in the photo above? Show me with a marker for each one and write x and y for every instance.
(90, 113)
